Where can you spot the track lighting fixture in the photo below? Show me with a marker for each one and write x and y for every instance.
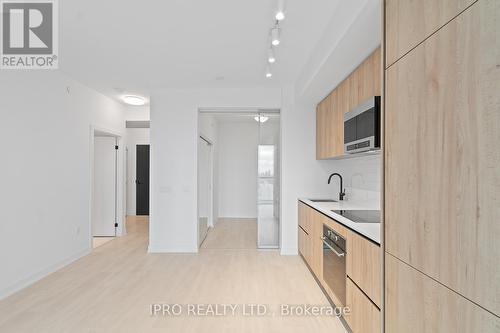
(275, 36)
(270, 56)
(280, 12)
(268, 72)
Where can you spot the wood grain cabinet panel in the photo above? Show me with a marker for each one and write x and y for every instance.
(321, 131)
(364, 266)
(316, 243)
(364, 317)
(442, 177)
(427, 306)
(364, 82)
(304, 217)
(409, 22)
(305, 246)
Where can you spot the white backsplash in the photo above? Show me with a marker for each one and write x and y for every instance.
(362, 178)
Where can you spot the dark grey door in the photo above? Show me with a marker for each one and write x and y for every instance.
(142, 180)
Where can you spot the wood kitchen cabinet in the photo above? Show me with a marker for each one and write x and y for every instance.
(316, 243)
(364, 266)
(304, 217)
(362, 84)
(329, 135)
(305, 233)
(442, 176)
(364, 317)
(409, 22)
(305, 245)
(416, 303)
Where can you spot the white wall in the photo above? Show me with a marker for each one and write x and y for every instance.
(174, 131)
(45, 192)
(135, 136)
(237, 143)
(362, 177)
(136, 112)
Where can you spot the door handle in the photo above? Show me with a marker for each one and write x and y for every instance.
(331, 248)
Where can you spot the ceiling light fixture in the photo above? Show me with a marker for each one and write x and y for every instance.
(268, 72)
(275, 36)
(270, 56)
(280, 13)
(261, 119)
(134, 100)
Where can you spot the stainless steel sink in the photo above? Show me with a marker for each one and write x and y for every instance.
(323, 200)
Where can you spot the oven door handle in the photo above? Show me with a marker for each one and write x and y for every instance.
(331, 248)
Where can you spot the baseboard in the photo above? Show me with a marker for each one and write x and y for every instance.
(4, 293)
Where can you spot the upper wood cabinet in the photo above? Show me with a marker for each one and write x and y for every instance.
(362, 84)
(409, 22)
(442, 176)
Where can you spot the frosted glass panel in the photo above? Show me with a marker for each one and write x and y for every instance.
(268, 183)
(266, 160)
(266, 189)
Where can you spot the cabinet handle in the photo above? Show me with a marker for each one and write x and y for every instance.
(331, 248)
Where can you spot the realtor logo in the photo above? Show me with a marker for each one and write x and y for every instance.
(29, 34)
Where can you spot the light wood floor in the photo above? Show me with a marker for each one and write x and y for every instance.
(232, 234)
(111, 290)
(98, 241)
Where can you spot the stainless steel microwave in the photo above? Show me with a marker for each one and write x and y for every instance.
(362, 127)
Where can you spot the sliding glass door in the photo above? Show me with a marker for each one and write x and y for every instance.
(268, 181)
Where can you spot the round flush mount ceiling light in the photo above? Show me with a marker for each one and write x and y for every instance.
(261, 119)
(275, 36)
(270, 56)
(134, 100)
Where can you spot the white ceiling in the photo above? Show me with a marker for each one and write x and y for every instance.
(125, 46)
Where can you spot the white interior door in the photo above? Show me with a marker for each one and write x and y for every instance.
(104, 212)
(204, 200)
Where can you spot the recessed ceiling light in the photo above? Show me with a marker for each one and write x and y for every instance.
(280, 16)
(270, 56)
(275, 36)
(134, 100)
(261, 119)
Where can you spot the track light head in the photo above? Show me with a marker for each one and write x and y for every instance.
(275, 36)
(270, 56)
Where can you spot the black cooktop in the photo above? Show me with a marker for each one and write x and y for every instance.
(360, 216)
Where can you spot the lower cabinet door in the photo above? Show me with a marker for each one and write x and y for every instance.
(364, 316)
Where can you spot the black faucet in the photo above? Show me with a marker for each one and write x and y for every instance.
(342, 192)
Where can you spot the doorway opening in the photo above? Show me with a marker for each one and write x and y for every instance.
(239, 184)
(138, 176)
(105, 205)
(142, 180)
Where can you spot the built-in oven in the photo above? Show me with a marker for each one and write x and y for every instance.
(362, 127)
(334, 263)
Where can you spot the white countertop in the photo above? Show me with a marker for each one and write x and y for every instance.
(369, 230)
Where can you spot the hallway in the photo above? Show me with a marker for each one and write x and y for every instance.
(112, 289)
(232, 234)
